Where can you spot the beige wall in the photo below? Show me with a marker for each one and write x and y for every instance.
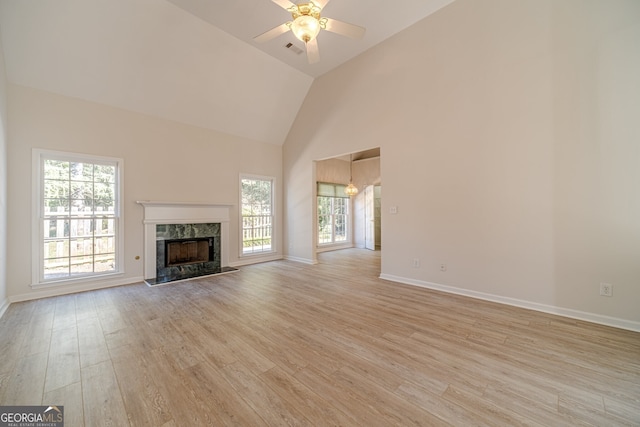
(163, 161)
(335, 171)
(509, 135)
(3, 184)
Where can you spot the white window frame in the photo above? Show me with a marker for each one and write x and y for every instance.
(38, 157)
(273, 248)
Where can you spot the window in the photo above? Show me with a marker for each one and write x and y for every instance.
(257, 215)
(78, 217)
(333, 214)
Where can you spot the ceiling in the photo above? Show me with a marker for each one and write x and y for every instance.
(249, 18)
(190, 61)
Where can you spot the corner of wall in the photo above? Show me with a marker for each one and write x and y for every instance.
(3, 184)
(4, 305)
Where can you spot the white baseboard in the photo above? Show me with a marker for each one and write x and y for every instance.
(302, 260)
(72, 289)
(3, 307)
(560, 311)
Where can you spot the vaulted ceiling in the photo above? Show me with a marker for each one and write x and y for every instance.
(191, 61)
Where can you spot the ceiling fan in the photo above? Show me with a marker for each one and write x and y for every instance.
(306, 25)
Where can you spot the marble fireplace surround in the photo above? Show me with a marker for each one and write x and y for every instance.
(158, 212)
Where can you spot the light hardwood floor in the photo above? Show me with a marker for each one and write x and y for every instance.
(284, 343)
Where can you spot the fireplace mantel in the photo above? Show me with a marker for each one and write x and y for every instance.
(163, 212)
(183, 212)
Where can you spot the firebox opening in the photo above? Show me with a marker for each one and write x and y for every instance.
(188, 251)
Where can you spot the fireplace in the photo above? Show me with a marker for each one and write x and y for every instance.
(184, 240)
(187, 251)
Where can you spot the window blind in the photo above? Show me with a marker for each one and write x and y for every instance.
(326, 189)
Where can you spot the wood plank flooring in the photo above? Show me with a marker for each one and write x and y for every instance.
(283, 343)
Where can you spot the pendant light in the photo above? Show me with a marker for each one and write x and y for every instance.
(351, 189)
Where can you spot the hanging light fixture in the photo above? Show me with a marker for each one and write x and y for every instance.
(307, 22)
(351, 189)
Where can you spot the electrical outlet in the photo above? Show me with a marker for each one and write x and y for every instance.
(443, 267)
(606, 289)
(415, 263)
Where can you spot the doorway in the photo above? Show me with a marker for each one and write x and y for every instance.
(363, 225)
(372, 217)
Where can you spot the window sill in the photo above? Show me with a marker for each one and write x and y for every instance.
(333, 246)
(258, 254)
(77, 280)
(256, 258)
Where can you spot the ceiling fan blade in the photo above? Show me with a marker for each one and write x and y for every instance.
(285, 4)
(321, 3)
(344, 29)
(313, 55)
(272, 33)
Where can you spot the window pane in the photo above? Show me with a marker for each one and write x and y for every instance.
(105, 245)
(81, 227)
(81, 265)
(324, 230)
(105, 263)
(56, 268)
(104, 174)
(82, 191)
(81, 171)
(340, 228)
(56, 189)
(56, 207)
(104, 195)
(56, 169)
(81, 247)
(56, 248)
(105, 226)
(81, 207)
(56, 228)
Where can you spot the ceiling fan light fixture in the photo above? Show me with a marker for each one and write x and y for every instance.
(306, 24)
(305, 28)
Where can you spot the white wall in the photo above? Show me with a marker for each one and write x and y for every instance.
(3, 185)
(509, 134)
(163, 161)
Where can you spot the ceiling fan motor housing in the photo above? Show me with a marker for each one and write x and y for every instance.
(306, 21)
(306, 9)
